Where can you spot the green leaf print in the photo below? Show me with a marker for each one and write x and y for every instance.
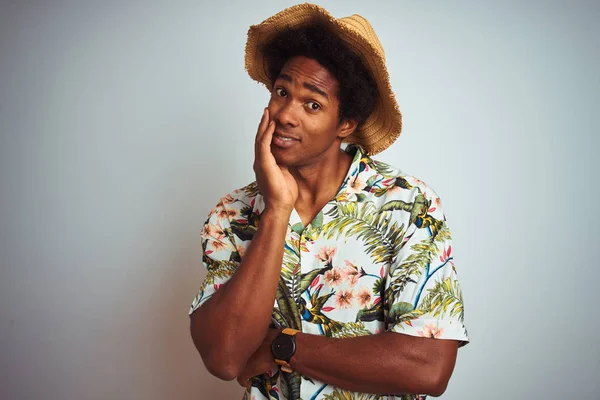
(371, 181)
(286, 313)
(383, 240)
(416, 208)
(402, 312)
(413, 266)
(385, 170)
(351, 329)
(251, 190)
(317, 222)
(291, 385)
(360, 197)
(444, 297)
(307, 279)
(218, 270)
(297, 228)
(339, 394)
(373, 313)
(418, 262)
(291, 268)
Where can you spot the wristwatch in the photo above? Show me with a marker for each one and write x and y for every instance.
(284, 347)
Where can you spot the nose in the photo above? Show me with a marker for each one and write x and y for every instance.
(286, 115)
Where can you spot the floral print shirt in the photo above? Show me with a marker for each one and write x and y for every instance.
(378, 257)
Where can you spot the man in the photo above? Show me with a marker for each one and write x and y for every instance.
(331, 276)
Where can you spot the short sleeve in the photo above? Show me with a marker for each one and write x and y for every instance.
(219, 254)
(423, 295)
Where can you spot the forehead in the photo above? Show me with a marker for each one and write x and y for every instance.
(307, 70)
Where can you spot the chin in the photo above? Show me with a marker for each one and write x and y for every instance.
(286, 157)
(286, 160)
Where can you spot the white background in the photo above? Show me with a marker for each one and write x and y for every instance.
(123, 123)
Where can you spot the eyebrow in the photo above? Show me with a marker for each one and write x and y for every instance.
(309, 86)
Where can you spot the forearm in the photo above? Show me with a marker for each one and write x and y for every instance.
(387, 363)
(231, 325)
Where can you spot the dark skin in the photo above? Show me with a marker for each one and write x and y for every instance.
(299, 165)
(304, 106)
(304, 174)
(386, 363)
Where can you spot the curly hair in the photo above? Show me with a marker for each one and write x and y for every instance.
(357, 93)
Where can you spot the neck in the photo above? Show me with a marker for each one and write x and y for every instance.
(318, 183)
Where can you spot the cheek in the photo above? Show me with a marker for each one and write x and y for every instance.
(273, 106)
(325, 126)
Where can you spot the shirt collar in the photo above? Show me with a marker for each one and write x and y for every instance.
(356, 181)
(354, 186)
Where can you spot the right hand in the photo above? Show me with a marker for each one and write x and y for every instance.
(276, 184)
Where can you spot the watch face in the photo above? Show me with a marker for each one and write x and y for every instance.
(283, 347)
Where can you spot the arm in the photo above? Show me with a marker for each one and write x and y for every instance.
(232, 324)
(386, 363)
(406, 358)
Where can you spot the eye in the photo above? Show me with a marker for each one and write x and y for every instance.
(280, 92)
(313, 106)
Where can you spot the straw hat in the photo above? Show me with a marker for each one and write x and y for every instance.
(384, 124)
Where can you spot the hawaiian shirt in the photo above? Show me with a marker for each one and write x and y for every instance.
(378, 257)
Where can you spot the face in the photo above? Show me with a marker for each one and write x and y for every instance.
(304, 106)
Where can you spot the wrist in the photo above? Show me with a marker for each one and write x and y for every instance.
(283, 348)
(277, 212)
(300, 342)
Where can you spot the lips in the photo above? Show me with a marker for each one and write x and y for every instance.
(284, 141)
(285, 136)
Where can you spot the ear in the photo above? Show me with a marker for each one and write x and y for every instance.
(346, 127)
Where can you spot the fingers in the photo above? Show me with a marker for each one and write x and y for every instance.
(264, 123)
(263, 128)
(267, 137)
(243, 382)
(264, 136)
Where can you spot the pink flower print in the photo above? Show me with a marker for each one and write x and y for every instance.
(206, 231)
(351, 273)
(326, 253)
(446, 254)
(430, 331)
(364, 296)
(389, 185)
(305, 244)
(356, 185)
(227, 199)
(228, 213)
(418, 182)
(215, 245)
(315, 282)
(214, 231)
(343, 299)
(333, 277)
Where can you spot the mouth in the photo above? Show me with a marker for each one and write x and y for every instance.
(284, 141)
(285, 137)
